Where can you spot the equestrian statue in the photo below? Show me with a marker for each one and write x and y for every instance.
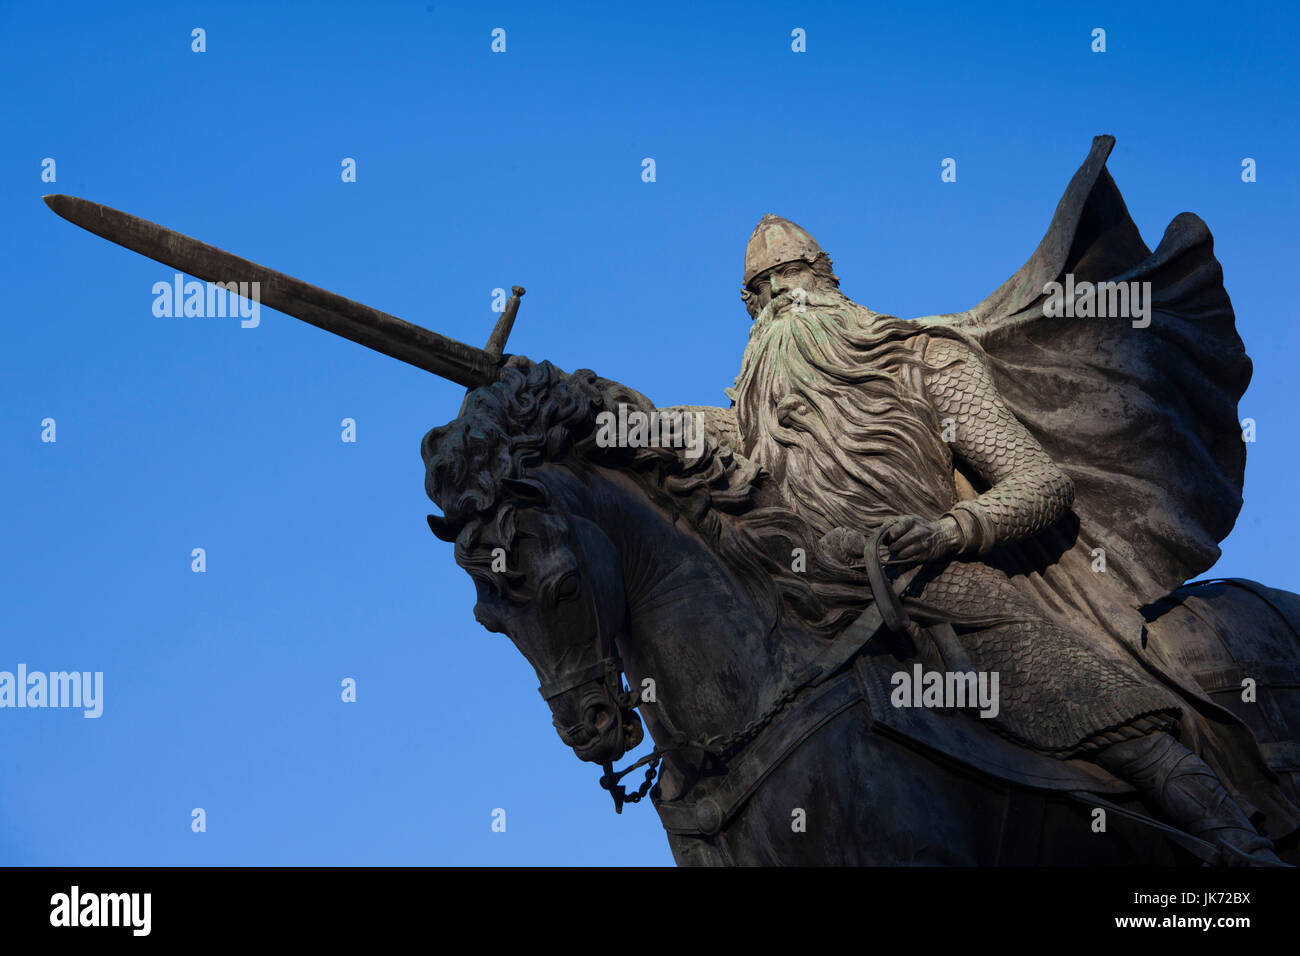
(919, 595)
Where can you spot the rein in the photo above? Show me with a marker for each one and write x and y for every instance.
(885, 611)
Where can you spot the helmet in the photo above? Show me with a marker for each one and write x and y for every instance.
(776, 241)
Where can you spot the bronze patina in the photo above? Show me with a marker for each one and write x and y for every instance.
(1020, 491)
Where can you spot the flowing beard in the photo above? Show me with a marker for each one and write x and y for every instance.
(830, 401)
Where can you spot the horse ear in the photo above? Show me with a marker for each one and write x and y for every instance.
(525, 491)
(444, 528)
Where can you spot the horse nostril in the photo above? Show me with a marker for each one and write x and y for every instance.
(577, 735)
(600, 718)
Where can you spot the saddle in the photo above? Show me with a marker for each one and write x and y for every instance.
(953, 735)
(961, 738)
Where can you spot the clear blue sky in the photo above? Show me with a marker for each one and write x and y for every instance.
(478, 170)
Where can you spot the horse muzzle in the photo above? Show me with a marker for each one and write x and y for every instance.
(596, 727)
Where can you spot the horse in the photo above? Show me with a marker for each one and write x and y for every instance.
(764, 681)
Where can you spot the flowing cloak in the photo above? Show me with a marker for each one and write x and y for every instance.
(1144, 421)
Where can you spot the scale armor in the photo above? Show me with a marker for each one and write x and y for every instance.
(1058, 694)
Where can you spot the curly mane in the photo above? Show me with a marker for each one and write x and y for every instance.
(538, 414)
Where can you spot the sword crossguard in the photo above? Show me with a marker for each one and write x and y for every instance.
(496, 343)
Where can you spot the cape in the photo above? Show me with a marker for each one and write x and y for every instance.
(1144, 420)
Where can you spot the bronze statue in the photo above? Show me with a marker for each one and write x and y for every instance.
(1020, 490)
(844, 407)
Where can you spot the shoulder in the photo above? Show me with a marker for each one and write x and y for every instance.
(955, 375)
(942, 352)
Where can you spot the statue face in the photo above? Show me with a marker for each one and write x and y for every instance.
(772, 282)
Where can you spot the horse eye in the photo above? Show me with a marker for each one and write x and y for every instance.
(568, 587)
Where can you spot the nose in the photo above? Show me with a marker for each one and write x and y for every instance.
(595, 739)
(776, 286)
(593, 725)
(600, 717)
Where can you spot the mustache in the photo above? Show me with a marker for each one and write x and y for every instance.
(790, 298)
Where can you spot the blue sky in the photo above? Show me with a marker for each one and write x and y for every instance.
(475, 171)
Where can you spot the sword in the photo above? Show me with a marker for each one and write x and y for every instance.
(359, 323)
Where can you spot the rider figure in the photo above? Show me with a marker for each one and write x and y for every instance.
(861, 419)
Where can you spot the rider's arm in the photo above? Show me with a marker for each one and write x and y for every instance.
(1027, 492)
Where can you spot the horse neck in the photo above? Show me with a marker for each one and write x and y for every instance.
(691, 629)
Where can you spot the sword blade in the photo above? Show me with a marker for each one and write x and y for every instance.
(402, 340)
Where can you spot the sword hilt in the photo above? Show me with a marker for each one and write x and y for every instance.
(496, 343)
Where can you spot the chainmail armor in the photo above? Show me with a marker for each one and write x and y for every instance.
(1057, 694)
(1027, 490)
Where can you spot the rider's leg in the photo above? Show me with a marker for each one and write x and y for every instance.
(1186, 790)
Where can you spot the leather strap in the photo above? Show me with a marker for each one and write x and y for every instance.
(886, 598)
(1201, 849)
(857, 635)
(950, 648)
(828, 698)
(747, 771)
(563, 682)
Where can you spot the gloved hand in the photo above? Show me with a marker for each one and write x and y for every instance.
(914, 539)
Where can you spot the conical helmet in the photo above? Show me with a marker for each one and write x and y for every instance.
(776, 241)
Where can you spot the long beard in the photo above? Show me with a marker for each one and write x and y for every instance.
(830, 401)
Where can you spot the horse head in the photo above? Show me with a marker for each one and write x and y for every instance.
(551, 582)
(546, 577)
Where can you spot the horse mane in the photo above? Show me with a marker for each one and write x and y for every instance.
(537, 414)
